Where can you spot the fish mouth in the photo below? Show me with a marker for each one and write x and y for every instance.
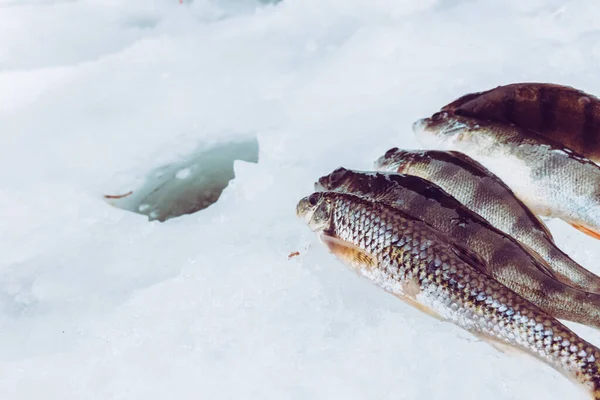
(331, 181)
(305, 211)
(426, 131)
(453, 127)
(441, 127)
(303, 208)
(387, 162)
(396, 160)
(420, 125)
(389, 166)
(383, 164)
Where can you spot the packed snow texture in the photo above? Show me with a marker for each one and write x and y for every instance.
(98, 303)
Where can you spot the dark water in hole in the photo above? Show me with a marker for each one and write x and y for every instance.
(188, 186)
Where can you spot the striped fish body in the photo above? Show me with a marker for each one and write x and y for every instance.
(486, 194)
(507, 260)
(423, 266)
(551, 180)
(563, 114)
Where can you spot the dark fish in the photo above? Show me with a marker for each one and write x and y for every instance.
(487, 195)
(552, 180)
(507, 261)
(566, 115)
(426, 268)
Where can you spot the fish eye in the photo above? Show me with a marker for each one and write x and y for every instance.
(313, 199)
(439, 115)
(337, 175)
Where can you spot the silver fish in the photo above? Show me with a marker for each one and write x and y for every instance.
(508, 261)
(552, 180)
(561, 113)
(426, 268)
(487, 195)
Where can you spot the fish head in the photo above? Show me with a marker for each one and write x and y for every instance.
(316, 210)
(359, 183)
(396, 160)
(391, 161)
(344, 180)
(338, 178)
(444, 130)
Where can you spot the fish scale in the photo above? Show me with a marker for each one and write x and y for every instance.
(410, 252)
(483, 192)
(551, 180)
(508, 261)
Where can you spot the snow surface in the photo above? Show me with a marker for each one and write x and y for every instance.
(98, 303)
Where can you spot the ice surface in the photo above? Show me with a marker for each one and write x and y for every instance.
(98, 303)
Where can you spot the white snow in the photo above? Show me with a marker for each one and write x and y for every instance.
(98, 303)
(183, 173)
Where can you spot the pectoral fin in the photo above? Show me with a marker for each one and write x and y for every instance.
(587, 230)
(348, 253)
(358, 259)
(421, 307)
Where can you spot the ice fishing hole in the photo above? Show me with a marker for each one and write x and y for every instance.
(187, 186)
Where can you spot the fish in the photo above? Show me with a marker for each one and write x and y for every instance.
(551, 180)
(506, 259)
(427, 269)
(484, 193)
(563, 114)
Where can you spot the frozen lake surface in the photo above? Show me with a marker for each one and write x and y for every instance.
(96, 302)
